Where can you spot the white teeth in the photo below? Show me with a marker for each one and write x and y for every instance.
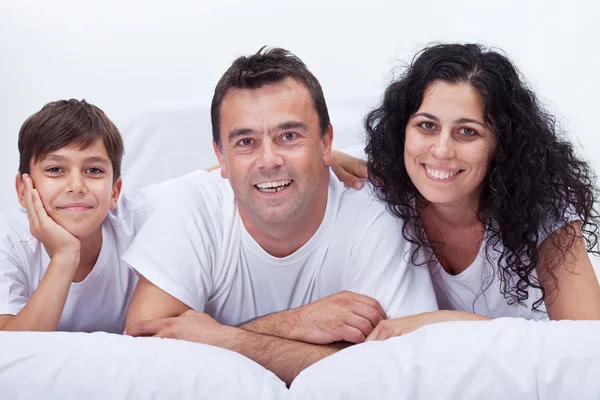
(440, 174)
(275, 186)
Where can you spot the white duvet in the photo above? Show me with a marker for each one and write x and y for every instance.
(502, 359)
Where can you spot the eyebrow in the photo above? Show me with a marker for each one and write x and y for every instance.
(458, 121)
(280, 127)
(93, 159)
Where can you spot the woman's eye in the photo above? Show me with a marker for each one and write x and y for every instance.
(427, 126)
(467, 132)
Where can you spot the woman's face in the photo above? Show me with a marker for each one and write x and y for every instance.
(448, 146)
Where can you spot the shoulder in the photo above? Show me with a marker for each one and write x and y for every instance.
(14, 226)
(16, 242)
(360, 214)
(179, 194)
(360, 205)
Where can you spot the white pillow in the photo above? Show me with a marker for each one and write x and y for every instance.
(105, 366)
(501, 359)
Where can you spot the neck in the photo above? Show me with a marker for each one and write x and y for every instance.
(460, 214)
(90, 250)
(284, 238)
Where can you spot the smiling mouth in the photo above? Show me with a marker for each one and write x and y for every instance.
(441, 174)
(274, 186)
(75, 208)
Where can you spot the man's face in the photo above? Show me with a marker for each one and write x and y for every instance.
(272, 151)
(76, 187)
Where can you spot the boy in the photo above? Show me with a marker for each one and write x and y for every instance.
(60, 266)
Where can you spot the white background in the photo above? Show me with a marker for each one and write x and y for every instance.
(137, 58)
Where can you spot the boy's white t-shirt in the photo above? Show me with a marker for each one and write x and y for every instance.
(100, 301)
(196, 248)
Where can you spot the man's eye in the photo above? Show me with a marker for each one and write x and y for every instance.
(245, 142)
(289, 136)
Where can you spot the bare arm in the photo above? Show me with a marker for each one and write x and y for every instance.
(43, 310)
(344, 316)
(577, 295)
(286, 358)
(150, 302)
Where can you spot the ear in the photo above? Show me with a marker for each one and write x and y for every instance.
(20, 188)
(221, 158)
(326, 141)
(115, 193)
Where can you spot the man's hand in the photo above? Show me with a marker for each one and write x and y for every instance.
(344, 316)
(56, 239)
(192, 326)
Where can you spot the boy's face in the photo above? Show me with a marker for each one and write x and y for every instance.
(75, 186)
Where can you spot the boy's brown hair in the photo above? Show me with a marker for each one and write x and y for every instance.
(66, 123)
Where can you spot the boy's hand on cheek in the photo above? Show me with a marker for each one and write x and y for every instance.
(56, 239)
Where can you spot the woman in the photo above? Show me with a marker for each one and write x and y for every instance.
(490, 196)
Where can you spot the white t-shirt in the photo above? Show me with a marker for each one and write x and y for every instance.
(100, 301)
(478, 288)
(196, 248)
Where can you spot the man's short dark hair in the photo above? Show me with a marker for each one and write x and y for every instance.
(267, 66)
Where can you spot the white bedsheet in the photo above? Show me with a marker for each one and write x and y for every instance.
(78, 366)
(503, 359)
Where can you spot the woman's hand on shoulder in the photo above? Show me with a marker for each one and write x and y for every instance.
(350, 170)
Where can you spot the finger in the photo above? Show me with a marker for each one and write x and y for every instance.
(39, 206)
(373, 335)
(360, 323)
(348, 178)
(358, 168)
(28, 200)
(149, 327)
(372, 314)
(353, 335)
(370, 302)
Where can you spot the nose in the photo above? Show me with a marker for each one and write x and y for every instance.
(443, 147)
(269, 156)
(76, 183)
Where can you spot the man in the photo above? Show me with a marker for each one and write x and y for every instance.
(272, 258)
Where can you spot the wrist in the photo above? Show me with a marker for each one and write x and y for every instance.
(289, 326)
(66, 259)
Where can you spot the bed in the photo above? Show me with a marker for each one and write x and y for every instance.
(502, 359)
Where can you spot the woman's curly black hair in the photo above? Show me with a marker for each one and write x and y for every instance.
(536, 180)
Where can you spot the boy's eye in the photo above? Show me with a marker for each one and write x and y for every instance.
(54, 170)
(94, 170)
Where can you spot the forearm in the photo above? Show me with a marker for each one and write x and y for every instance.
(285, 358)
(280, 324)
(44, 309)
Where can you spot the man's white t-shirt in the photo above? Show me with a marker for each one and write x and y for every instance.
(195, 247)
(100, 301)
